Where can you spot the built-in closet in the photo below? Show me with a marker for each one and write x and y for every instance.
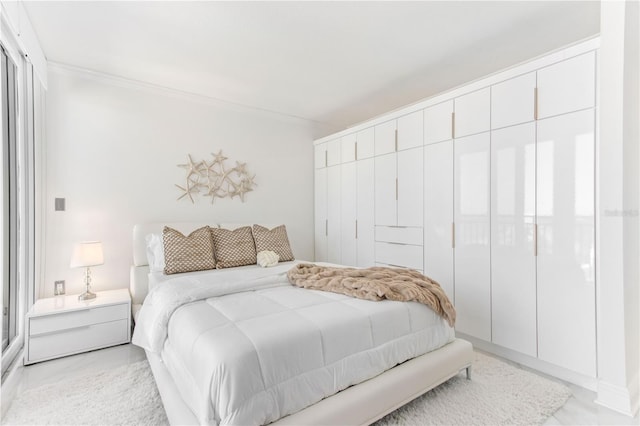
(490, 190)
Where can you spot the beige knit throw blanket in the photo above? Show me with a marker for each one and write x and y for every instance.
(375, 283)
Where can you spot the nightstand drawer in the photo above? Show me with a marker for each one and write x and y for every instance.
(75, 319)
(78, 339)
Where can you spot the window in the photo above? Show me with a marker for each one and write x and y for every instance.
(9, 202)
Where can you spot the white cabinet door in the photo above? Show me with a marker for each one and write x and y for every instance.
(348, 148)
(385, 190)
(334, 149)
(513, 101)
(320, 155)
(438, 214)
(567, 86)
(473, 112)
(365, 208)
(513, 262)
(410, 131)
(437, 122)
(410, 187)
(320, 215)
(565, 215)
(472, 237)
(333, 214)
(348, 201)
(385, 137)
(366, 143)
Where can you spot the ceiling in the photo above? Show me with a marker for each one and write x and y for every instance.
(333, 63)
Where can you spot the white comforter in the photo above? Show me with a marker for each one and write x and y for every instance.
(246, 347)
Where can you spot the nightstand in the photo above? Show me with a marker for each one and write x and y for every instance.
(63, 325)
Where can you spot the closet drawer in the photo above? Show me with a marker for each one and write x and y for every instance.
(404, 255)
(399, 234)
(75, 319)
(76, 340)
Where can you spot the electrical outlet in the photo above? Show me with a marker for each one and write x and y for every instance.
(58, 288)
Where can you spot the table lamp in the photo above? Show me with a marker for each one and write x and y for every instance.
(86, 254)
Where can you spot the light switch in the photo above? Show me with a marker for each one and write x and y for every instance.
(60, 204)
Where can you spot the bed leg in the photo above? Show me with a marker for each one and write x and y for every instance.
(468, 372)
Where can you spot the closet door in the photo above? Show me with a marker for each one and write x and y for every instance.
(438, 214)
(385, 190)
(472, 237)
(513, 262)
(567, 86)
(565, 216)
(320, 214)
(365, 208)
(410, 187)
(513, 101)
(348, 148)
(334, 149)
(437, 123)
(385, 137)
(348, 199)
(333, 214)
(365, 139)
(320, 155)
(472, 113)
(410, 130)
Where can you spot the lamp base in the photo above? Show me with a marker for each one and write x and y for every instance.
(87, 295)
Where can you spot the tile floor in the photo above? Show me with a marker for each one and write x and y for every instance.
(578, 410)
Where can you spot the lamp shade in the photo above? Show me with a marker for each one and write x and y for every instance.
(87, 253)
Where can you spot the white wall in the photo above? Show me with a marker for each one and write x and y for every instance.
(112, 152)
(617, 227)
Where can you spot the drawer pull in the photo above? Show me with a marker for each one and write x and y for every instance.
(48, 333)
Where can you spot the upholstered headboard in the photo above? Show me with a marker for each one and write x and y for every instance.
(139, 274)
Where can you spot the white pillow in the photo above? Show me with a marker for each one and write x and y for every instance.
(267, 258)
(155, 252)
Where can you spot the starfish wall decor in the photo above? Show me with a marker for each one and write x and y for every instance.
(213, 179)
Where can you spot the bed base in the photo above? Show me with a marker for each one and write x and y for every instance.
(361, 404)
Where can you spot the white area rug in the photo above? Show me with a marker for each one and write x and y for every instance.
(498, 394)
(124, 396)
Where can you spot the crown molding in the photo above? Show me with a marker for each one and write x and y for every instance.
(127, 83)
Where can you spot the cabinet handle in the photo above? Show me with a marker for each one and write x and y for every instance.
(326, 227)
(356, 150)
(326, 161)
(356, 229)
(396, 140)
(453, 235)
(535, 103)
(535, 239)
(396, 189)
(453, 125)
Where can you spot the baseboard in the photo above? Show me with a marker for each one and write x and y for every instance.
(581, 380)
(10, 383)
(619, 398)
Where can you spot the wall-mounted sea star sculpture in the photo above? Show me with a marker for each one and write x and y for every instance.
(215, 180)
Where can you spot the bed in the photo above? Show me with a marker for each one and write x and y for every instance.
(292, 359)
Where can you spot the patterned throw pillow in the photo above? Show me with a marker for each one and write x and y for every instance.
(274, 240)
(186, 254)
(233, 248)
